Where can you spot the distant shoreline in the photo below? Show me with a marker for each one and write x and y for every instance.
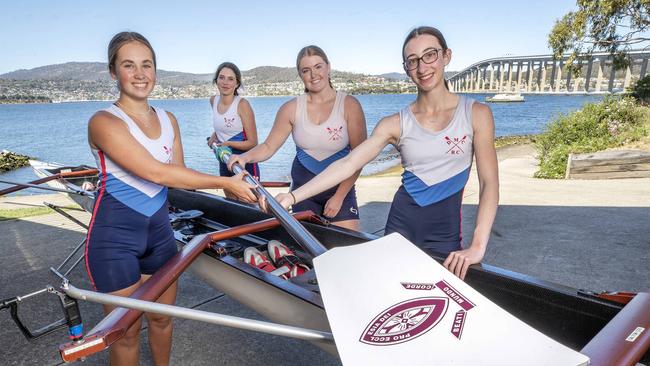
(18, 101)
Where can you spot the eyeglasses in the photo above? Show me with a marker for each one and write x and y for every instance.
(428, 58)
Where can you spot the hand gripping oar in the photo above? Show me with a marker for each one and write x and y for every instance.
(271, 184)
(295, 229)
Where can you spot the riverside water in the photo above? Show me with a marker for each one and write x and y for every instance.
(57, 132)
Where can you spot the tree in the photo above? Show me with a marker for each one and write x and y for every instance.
(615, 26)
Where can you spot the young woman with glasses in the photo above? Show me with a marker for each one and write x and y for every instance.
(326, 125)
(437, 137)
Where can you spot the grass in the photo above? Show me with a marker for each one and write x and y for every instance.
(19, 213)
(504, 141)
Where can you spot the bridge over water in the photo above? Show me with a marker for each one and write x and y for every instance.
(543, 74)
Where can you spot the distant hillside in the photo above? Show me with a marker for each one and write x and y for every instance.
(83, 71)
(92, 81)
(97, 71)
(395, 76)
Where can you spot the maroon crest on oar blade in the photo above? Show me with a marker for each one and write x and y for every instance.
(405, 321)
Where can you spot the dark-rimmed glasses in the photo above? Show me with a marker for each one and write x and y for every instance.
(429, 57)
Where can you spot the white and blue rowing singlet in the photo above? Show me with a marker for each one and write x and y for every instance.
(228, 126)
(139, 194)
(318, 146)
(436, 164)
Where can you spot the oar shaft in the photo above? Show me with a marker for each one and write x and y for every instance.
(29, 185)
(20, 186)
(293, 227)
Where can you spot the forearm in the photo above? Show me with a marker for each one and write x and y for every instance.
(177, 176)
(241, 145)
(486, 212)
(261, 152)
(346, 185)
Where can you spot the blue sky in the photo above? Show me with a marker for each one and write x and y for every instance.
(195, 36)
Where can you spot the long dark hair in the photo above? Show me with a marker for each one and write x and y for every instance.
(430, 31)
(120, 40)
(312, 50)
(234, 69)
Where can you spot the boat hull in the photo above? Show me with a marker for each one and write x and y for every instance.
(567, 315)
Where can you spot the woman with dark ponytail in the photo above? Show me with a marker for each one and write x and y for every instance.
(232, 118)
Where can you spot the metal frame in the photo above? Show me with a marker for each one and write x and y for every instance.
(115, 324)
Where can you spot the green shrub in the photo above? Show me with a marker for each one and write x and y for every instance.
(610, 123)
(641, 90)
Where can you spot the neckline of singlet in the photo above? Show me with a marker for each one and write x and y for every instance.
(329, 117)
(138, 127)
(229, 105)
(461, 101)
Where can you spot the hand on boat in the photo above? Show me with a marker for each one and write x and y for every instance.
(285, 200)
(459, 261)
(240, 159)
(242, 190)
(332, 207)
(88, 186)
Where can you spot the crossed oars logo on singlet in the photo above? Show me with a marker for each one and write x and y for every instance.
(335, 133)
(455, 145)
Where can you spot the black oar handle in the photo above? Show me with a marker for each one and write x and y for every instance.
(295, 229)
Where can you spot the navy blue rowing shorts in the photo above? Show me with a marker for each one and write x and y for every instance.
(434, 228)
(123, 244)
(252, 168)
(301, 175)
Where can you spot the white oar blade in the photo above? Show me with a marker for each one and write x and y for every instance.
(389, 303)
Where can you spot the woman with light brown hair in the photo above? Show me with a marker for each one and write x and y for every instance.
(326, 125)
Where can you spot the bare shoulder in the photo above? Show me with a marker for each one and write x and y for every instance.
(481, 110)
(392, 119)
(351, 102)
(389, 124)
(105, 119)
(289, 107)
(172, 118)
(103, 125)
(482, 120)
(244, 103)
(387, 130)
